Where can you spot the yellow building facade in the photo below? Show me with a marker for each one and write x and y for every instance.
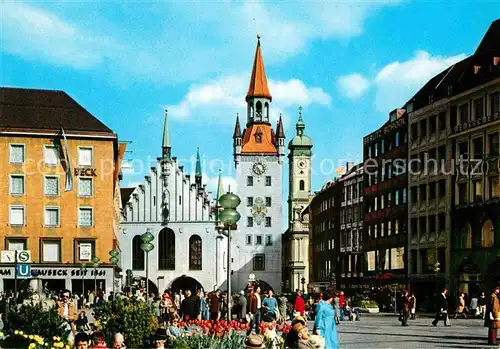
(59, 169)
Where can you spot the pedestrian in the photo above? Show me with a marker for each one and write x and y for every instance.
(474, 310)
(405, 309)
(242, 304)
(442, 309)
(270, 305)
(99, 341)
(283, 306)
(482, 305)
(299, 304)
(336, 307)
(82, 322)
(254, 310)
(413, 306)
(205, 314)
(461, 307)
(190, 306)
(215, 305)
(82, 341)
(324, 324)
(67, 310)
(119, 341)
(492, 318)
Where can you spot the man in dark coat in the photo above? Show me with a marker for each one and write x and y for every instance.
(190, 306)
(215, 305)
(405, 309)
(492, 318)
(442, 309)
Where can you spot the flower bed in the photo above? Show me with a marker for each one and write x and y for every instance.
(21, 340)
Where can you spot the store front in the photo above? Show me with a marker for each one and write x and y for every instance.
(55, 279)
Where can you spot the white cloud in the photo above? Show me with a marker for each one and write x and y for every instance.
(398, 81)
(220, 99)
(183, 41)
(353, 85)
(35, 33)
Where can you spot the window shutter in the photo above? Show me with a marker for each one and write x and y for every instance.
(50, 155)
(17, 215)
(51, 251)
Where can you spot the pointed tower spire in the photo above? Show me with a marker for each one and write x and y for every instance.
(300, 126)
(258, 82)
(237, 129)
(166, 147)
(280, 132)
(197, 173)
(220, 187)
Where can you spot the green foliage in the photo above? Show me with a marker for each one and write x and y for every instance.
(34, 319)
(359, 301)
(233, 341)
(130, 317)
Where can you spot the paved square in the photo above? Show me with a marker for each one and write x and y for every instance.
(378, 331)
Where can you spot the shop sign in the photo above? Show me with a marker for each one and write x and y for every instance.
(85, 171)
(57, 272)
(85, 251)
(387, 129)
(476, 123)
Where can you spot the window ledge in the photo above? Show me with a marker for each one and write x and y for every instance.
(17, 195)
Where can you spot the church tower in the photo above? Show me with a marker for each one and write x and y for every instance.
(299, 169)
(258, 152)
(296, 238)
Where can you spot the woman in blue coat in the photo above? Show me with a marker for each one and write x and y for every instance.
(325, 321)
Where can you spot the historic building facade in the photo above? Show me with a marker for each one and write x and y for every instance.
(259, 152)
(176, 209)
(324, 236)
(454, 229)
(351, 264)
(385, 202)
(296, 238)
(59, 169)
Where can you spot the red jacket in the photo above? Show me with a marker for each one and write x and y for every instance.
(299, 305)
(341, 300)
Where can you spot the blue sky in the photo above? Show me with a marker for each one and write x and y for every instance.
(348, 64)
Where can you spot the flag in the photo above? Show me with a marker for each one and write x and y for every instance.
(66, 162)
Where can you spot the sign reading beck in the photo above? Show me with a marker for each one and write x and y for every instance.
(85, 171)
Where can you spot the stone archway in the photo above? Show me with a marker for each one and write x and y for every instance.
(185, 282)
(469, 278)
(264, 286)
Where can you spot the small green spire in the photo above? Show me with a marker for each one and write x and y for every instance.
(198, 164)
(300, 126)
(220, 187)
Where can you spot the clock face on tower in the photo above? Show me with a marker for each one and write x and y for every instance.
(259, 168)
(302, 164)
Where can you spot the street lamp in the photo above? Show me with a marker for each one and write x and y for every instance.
(83, 268)
(303, 282)
(95, 264)
(229, 216)
(113, 259)
(147, 246)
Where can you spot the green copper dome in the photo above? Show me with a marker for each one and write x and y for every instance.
(301, 141)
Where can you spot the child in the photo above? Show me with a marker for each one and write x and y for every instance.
(99, 341)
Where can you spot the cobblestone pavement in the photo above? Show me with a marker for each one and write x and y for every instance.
(387, 332)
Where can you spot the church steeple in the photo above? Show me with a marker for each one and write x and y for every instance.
(197, 173)
(300, 126)
(166, 147)
(258, 96)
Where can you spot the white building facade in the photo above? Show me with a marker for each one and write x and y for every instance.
(177, 210)
(259, 151)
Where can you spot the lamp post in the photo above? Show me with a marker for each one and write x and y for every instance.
(303, 282)
(83, 268)
(113, 259)
(95, 264)
(436, 268)
(147, 246)
(229, 216)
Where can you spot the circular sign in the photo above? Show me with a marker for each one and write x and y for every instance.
(23, 257)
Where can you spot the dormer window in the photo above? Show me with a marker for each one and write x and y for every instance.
(258, 136)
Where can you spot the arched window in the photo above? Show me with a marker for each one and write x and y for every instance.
(487, 234)
(301, 185)
(137, 254)
(266, 111)
(195, 253)
(464, 238)
(166, 250)
(258, 107)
